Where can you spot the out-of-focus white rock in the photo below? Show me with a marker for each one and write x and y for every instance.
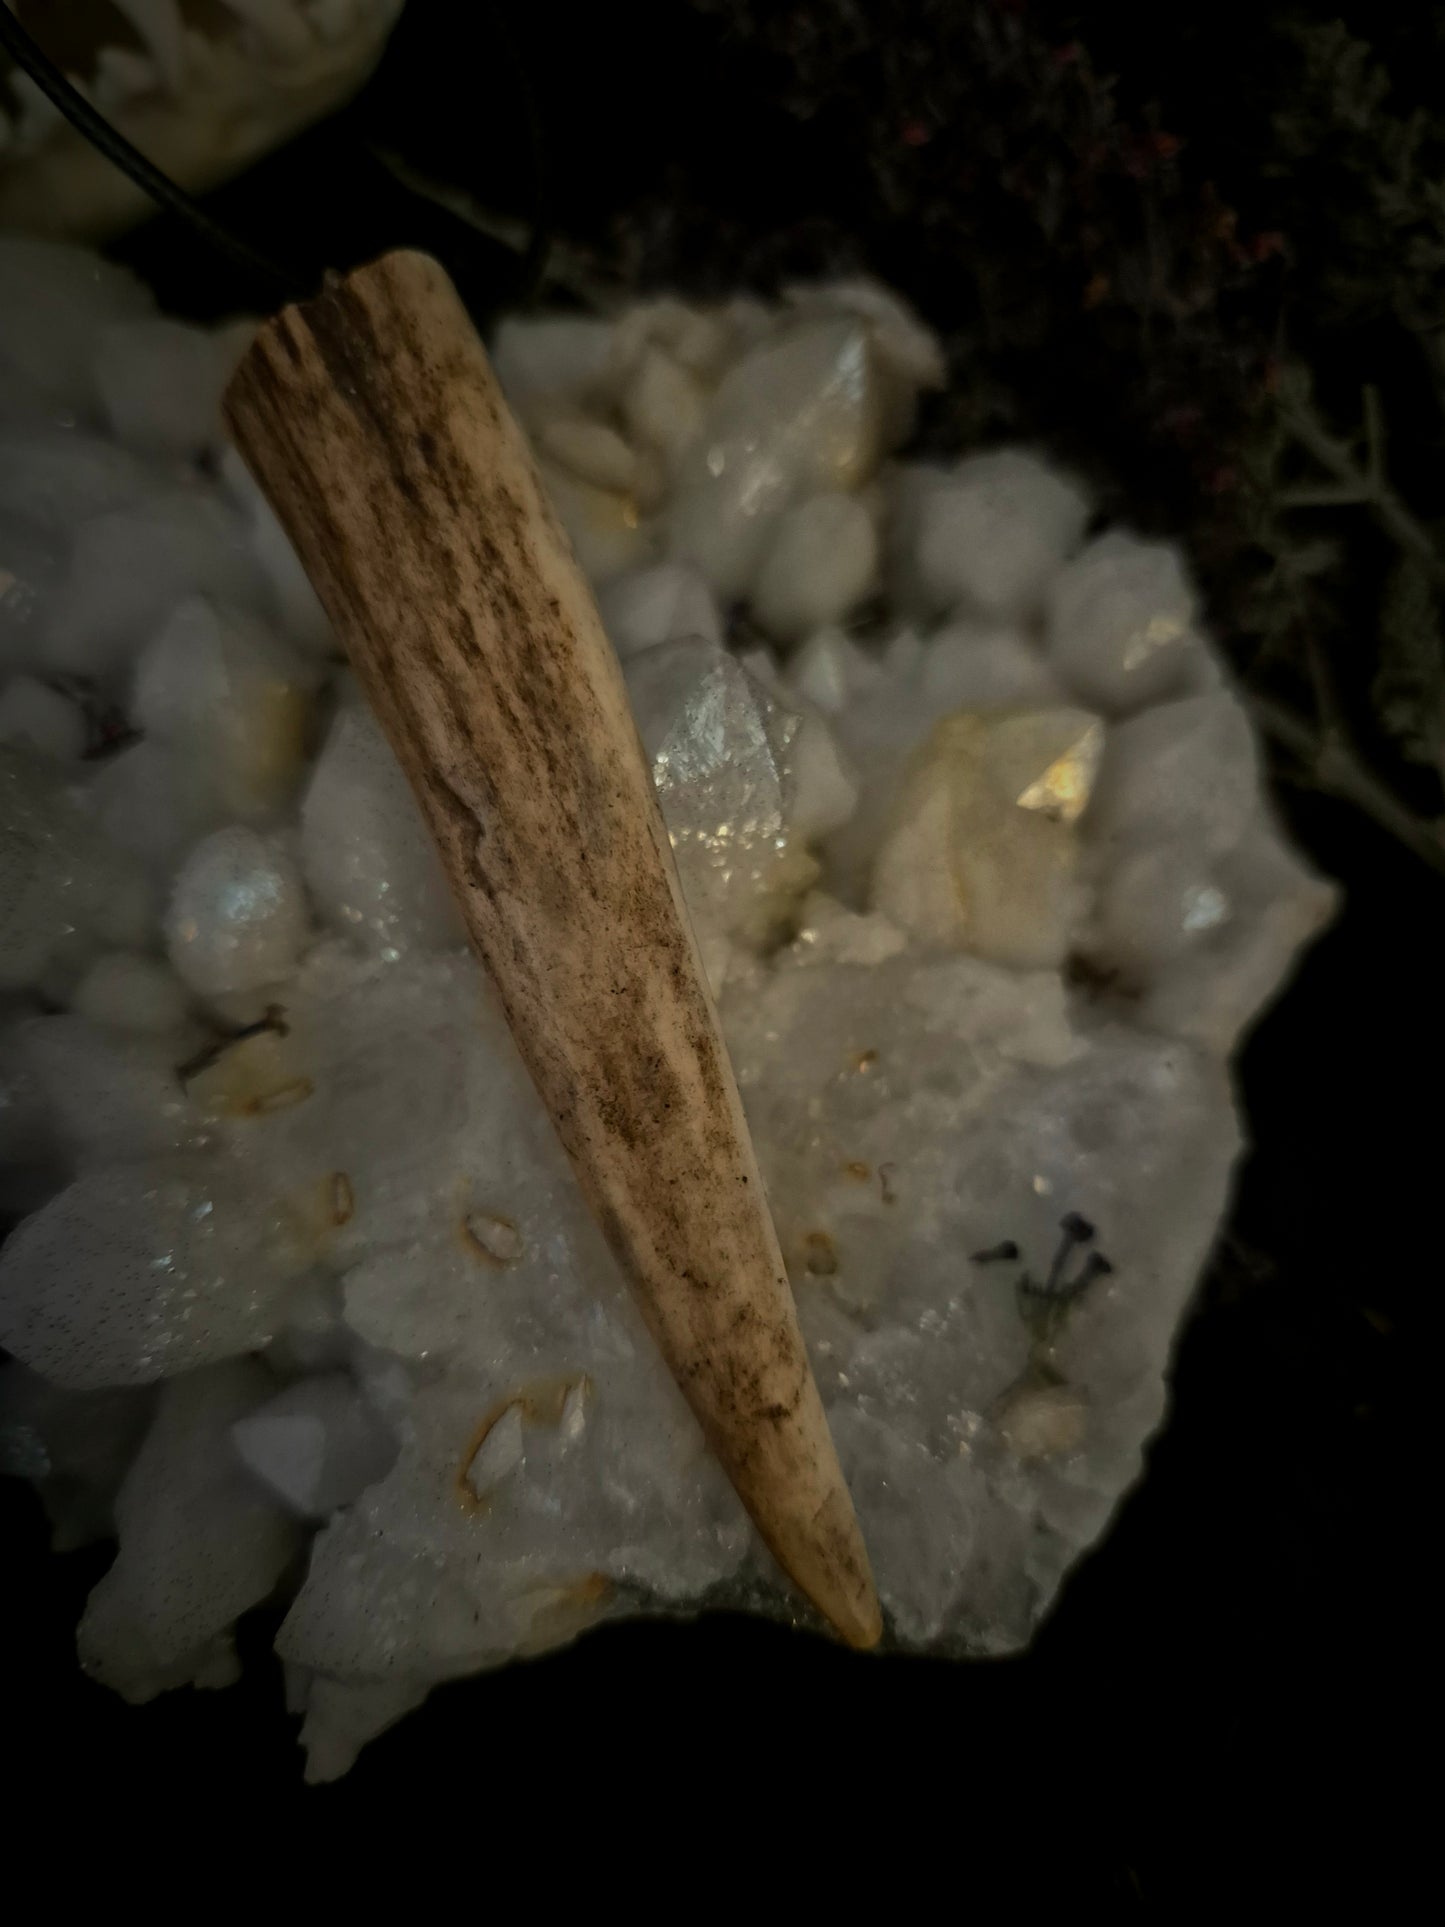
(54, 478)
(58, 302)
(824, 790)
(991, 534)
(129, 569)
(604, 525)
(237, 915)
(106, 1093)
(228, 696)
(370, 864)
(199, 1543)
(664, 407)
(30, 570)
(908, 354)
(591, 452)
(153, 803)
(315, 1445)
(75, 1446)
(701, 340)
(551, 361)
(882, 710)
(60, 882)
(1215, 987)
(141, 1270)
(35, 716)
(831, 669)
(160, 382)
(1196, 899)
(303, 621)
(666, 602)
(1184, 773)
(129, 992)
(820, 565)
(983, 667)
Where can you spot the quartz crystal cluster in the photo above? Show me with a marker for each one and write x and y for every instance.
(301, 1298)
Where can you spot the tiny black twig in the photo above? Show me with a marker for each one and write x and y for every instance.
(274, 1020)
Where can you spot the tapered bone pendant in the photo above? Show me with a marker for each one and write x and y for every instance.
(372, 421)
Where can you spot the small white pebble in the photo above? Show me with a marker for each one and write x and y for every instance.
(237, 916)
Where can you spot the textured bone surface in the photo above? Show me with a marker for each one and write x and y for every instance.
(308, 1296)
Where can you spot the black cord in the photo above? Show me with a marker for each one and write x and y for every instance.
(289, 283)
(533, 269)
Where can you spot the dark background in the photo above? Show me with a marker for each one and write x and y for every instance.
(1221, 1707)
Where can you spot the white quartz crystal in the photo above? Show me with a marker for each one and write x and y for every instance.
(307, 1303)
(799, 413)
(723, 755)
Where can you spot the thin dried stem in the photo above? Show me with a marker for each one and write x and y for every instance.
(1366, 486)
(1334, 768)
